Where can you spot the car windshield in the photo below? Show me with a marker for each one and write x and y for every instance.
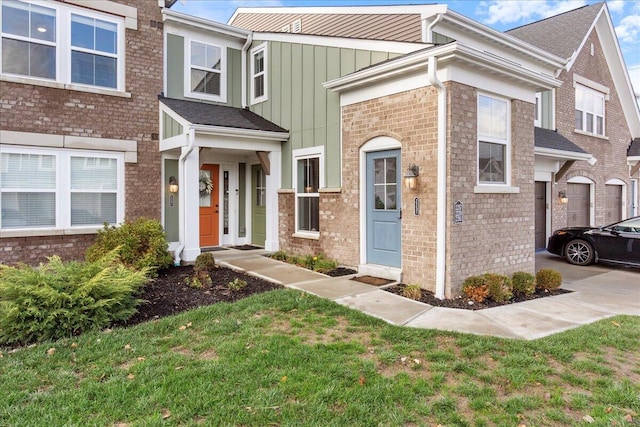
(629, 226)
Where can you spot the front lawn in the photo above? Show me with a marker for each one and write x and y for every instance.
(290, 359)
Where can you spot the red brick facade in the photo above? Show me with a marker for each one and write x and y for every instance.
(46, 110)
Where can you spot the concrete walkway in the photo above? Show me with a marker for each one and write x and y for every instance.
(598, 292)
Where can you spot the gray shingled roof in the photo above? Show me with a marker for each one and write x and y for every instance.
(634, 148)
(545, 138)
(201, 113)
(561, 34)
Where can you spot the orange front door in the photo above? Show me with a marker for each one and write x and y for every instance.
(209, 205)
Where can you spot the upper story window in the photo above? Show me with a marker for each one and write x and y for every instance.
(589, 110)
(207, 71)
(494, 141)
(258, 74)
(62, 43)
(537, 119)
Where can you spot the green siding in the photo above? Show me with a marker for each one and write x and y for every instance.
(170, 127)
(234, 77)
(175, 67)
(171, 212)
(298, 102)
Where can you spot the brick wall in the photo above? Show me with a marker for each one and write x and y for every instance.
(497, 232)
(38, 109)
(611, 153)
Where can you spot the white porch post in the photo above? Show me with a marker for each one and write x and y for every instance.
(273, 184)
(191, 211)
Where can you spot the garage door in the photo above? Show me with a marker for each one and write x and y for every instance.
(613, 203)
(578, 206)
(541, 215)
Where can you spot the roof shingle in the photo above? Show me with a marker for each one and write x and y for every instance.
(634, 148)
(546, 138)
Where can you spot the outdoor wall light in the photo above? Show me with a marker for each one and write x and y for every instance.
(411, 177)
(563, 197)
(173, 185)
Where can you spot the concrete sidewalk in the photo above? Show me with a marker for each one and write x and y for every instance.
(598, 292)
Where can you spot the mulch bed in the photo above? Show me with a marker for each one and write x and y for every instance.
(464, 303)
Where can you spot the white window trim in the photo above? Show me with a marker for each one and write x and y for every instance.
(63, 191)
(63, 51)
(223, 72)
(597, 94)
(538, 110)
(498, 187)
(301, 154)
(260, 48)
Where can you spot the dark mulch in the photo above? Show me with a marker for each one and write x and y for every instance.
(169, 294)
(464, 303)
(340, 271)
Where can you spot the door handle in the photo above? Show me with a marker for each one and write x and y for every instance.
(400, 217)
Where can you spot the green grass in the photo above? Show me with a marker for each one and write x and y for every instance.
(289, 359)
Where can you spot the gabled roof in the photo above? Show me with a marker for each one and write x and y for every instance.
(552, 140)
(562, 34)
(200, 113)
(634, 148)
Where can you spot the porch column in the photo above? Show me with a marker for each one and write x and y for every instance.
(191, 207)
(271, 242)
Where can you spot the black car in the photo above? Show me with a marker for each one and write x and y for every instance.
(618, 242)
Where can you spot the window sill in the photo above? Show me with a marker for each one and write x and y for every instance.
(36, 232)
(594, 135)
(306, 235)
(65, 86)
(259, 100)
(495, 189)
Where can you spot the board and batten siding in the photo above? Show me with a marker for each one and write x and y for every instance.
(298, 102)
(177, 69)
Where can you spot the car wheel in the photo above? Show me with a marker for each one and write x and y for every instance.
(579, 252)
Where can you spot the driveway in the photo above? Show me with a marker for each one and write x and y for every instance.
(573, 273)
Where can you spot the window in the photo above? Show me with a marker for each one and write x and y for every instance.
(493, 140)
(258, 74)
(37, 41)
(207, 71)
(308, 181)
(537, 119)
(60, 189)
(589, 110)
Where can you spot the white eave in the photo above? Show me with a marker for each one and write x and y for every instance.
(561, 154)
(444, 53)
(204, 24)
(240, 133)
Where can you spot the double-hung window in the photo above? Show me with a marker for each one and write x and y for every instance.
(493, 140)
(308, 178)
(258, 74)
(61, 43)
(207, 68)
(589, 110)
(60, 189)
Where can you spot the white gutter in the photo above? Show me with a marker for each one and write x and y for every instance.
(243, 70)
(181, 173)
(441, 195)
(241, 133)
(429, 31)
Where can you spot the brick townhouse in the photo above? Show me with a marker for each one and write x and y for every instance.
(79, 85)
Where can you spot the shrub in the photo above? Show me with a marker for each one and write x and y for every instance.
(205, 262)
(57, 299)
(237, 284)
(412, 291)
(475, 288)
(142, 243)
(280, 256)
(548, 279)
(523, 283)
(499, 286)
(323, 264)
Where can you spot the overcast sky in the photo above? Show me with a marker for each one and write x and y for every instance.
(498, 14)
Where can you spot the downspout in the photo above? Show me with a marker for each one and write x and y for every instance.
(441, 195)
(181, 220)
(429, 31)
(243, 70)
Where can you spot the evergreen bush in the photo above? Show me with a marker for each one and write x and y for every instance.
(143, 245)
(548, 279)
(57, 299)
(475, 288)
(499, 286)
(523, 283)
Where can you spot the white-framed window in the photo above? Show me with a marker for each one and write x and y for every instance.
(62, 43)
(207, 71)
(308, 178)
(494, 140)
(589, 110)
(60, 189)
(259, 74)
(537, 118)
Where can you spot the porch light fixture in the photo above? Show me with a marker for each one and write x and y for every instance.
(563, 197)
(173, 185)
(411, 177)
